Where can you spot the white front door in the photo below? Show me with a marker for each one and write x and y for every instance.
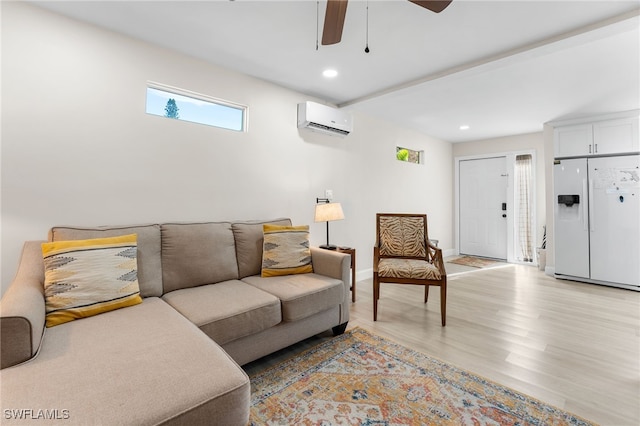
(483, 207)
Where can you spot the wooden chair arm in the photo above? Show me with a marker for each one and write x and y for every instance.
(434, 256)
(376, 258)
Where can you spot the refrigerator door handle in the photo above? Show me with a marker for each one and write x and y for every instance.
(585, 221)
(591, 216)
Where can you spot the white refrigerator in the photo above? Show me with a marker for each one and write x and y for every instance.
(597, 220)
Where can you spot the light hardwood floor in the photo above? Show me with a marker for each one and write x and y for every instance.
(573, 345)
(569, 344)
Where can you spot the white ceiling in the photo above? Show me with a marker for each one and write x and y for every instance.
(502, 67)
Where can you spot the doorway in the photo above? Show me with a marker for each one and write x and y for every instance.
(495, 208)
(483, 207)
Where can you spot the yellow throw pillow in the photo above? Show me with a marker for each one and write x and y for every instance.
(286, 250)
(83, 278)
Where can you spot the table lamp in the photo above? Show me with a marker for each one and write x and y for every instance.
(327, 211)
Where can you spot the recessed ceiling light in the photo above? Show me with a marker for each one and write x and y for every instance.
(464, 127)
(330, 73)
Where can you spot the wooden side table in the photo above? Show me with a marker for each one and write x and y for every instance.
(352, 252)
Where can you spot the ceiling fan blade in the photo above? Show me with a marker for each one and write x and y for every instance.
(434, 6)
(334, 21)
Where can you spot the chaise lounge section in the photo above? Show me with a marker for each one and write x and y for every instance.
(174, 358)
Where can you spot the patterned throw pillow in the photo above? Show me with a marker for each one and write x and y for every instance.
(88, 277)
(286, 250)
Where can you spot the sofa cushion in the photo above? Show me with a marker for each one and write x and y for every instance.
(195, 254)
(146, 364)
(228, 310)
(301, 295)
(148, 236)
(286, 250)
(89, 277)
(249, 240)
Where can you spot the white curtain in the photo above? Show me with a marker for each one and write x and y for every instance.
(523, 197)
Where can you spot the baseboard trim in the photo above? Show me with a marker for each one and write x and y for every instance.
(449, 252)
(364, 274)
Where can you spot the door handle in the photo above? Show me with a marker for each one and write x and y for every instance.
(591, 207)
(585, 217)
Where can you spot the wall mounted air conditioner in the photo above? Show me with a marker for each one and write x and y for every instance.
(324, 119)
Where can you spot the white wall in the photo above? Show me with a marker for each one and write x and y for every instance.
(77, 147)
(530, 141)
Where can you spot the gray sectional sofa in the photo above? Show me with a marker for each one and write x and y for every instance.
(174, 358)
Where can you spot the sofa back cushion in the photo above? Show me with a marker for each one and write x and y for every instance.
(195, 254)
(148, 241)
(249, 240)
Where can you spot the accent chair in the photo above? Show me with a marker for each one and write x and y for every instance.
(403, 254)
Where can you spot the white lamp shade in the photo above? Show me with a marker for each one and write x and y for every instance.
(327, 212)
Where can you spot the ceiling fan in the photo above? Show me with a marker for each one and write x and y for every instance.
(337, 9)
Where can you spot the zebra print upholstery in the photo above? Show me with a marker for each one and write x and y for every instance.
(407, 268)
(402, 236)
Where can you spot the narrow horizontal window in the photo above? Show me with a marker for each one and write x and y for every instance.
(409, 155)
(179, 104)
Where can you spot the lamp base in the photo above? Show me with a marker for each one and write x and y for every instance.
(328, 247)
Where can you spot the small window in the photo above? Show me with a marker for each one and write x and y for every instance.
(180, 104)
(409, 155)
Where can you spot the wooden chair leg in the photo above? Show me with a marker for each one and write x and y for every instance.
(376, 295)
(426, 293)
(443, 303)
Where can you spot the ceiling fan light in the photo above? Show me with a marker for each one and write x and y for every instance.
(464, 127)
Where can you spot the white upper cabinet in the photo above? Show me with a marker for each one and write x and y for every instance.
(573, 141)
(617, 136)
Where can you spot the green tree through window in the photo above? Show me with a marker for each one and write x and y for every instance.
(171, 110)
(409, 155)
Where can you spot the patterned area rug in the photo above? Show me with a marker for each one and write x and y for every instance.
(361, 379)
(476, 262)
